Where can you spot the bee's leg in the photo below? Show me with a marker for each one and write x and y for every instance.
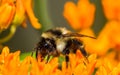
(37, 53)
(32, 54)
(48, 57)
(39, 57)
(82, 49)
(66, 53)
(67, 60)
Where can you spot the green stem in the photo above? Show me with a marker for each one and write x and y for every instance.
(10, 35)
(41, 8)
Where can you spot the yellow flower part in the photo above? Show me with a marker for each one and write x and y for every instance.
(79, 16)
(111, 9)
(7, 11)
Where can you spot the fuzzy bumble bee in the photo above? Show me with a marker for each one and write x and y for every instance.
(60, 41)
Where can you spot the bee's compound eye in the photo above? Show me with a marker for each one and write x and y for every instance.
(46, 45)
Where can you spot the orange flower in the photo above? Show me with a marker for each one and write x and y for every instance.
(7, 12)
(10, 63)
(79, 16)
(23, 7)
(13, 12)
(111, 9)
(78, 65)
(41, 68)
(105, 67)
(108, 38)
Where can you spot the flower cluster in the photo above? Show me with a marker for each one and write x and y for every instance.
(10, 64)
(14, 13)
(104, 50)
(107, 44)
(81, 17)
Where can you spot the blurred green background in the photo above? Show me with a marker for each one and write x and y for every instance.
(50, 14)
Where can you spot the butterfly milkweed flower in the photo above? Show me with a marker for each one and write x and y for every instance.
(80, 15)
(111, 9)
(10, 64)
(107, 43)
(108, 37)
(7, 11)
(14, 12)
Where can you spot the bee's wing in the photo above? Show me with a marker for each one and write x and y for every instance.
(76, 35)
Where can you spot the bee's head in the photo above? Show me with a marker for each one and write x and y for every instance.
(45, 46)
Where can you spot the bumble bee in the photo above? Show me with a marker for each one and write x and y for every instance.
(60, 41)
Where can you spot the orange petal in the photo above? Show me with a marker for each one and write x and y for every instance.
(79, 16)
(116, 70)
(86, 13)
(7, 12)
(92, 64)
(111, 9)
(106, 39)
(30, 13)
(5, 51)
(66, 70)
(37, 68)
(71, 14)
(12, 61)
(101, 71)
(20, 13)
(24, 66)
(80, 69)
(54, 64)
